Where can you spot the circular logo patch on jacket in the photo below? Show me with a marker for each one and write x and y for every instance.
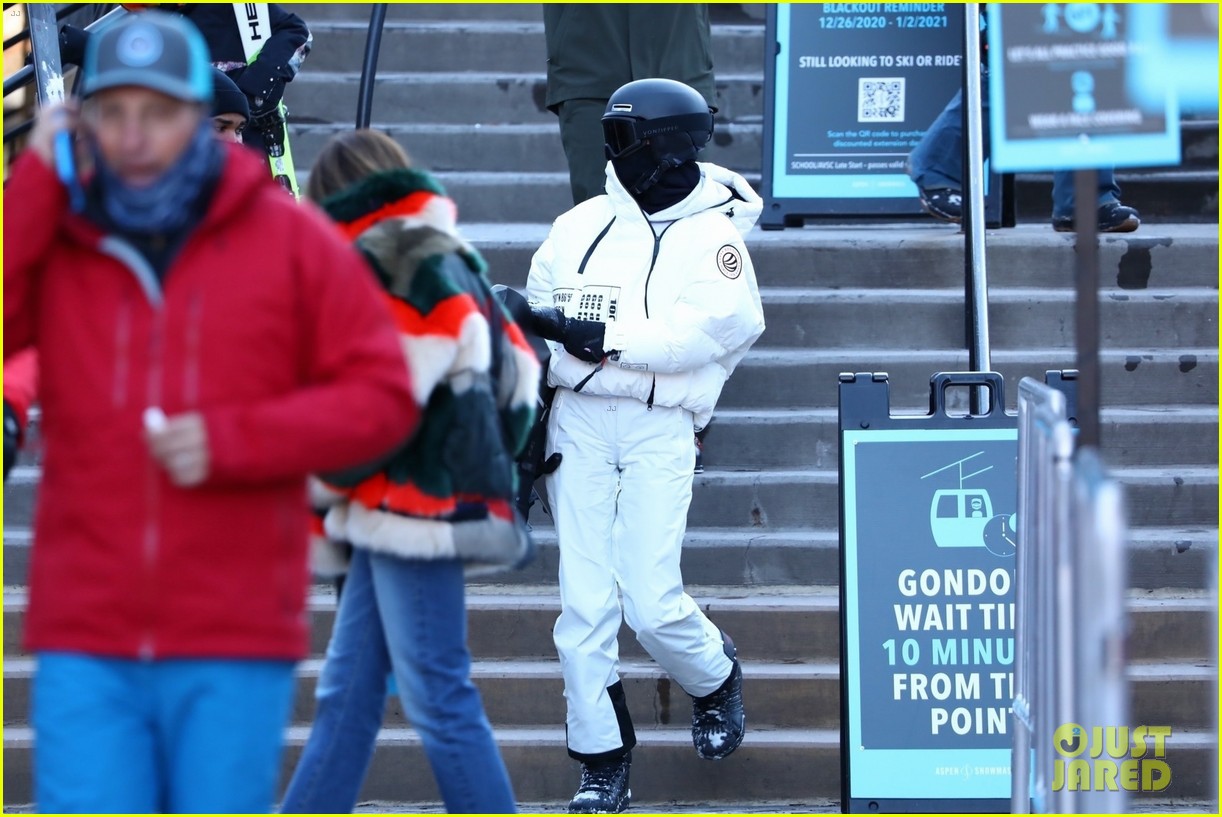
(729, 262)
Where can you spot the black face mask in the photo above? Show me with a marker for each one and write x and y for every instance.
(637, 170)
(655, 189)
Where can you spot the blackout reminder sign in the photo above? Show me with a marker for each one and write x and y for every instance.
(850, 89)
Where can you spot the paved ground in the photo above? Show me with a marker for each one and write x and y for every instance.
(813, 807)
(824, 807)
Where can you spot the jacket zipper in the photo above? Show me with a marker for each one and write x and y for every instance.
(191, 376)
(151, 287)
(581, 268)
(123, 345)
(151, 528)
(657, 246)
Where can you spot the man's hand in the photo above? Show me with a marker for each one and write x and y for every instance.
(582, 339)
(180, 445)
(51, 120)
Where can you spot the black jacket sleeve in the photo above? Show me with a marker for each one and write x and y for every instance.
(280, 59)
(276, 63)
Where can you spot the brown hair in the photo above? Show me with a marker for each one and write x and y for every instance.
(351, 156)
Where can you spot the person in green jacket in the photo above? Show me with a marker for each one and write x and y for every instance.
(594, 48)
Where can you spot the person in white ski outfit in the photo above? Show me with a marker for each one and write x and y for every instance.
(650, 298)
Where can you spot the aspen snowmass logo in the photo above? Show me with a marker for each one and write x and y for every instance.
(1111, 758)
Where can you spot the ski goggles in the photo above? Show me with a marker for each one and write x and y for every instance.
(624, 134)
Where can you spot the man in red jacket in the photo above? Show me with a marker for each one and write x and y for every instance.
(204, 344)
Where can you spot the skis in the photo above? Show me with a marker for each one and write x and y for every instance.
(254, 24)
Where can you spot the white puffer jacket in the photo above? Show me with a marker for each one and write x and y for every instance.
(677, 292)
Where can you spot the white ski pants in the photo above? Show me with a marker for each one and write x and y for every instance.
(620, 500)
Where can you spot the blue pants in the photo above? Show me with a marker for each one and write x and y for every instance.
(115, 735)
(408, 616)
(937, 161)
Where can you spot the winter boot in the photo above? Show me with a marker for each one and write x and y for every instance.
(718, 723)
(604, 787)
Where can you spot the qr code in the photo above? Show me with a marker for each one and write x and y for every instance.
(880, 99)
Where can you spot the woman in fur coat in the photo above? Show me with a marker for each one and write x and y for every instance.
(439, 507)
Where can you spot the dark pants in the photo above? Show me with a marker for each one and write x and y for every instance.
(581, 131)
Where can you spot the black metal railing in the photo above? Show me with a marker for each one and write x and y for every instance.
(24, 34)
(46, 69)
(369, 66)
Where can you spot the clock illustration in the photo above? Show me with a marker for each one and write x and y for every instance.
(1001, 535)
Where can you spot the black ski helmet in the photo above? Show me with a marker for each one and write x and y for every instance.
(669, 118)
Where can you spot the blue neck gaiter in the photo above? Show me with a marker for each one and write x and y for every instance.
(166, 205)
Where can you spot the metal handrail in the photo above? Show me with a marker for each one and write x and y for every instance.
(24, 34)
(976, 286)
(27, 74)
(23, 77)
(973, 211)
(369, 67)
(1069, 605)
(19, 130)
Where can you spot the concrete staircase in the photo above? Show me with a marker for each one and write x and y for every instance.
(462, 87)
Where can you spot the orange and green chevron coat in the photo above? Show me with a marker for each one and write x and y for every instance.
(448, 491)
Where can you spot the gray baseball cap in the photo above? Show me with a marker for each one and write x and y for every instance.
(151, 49)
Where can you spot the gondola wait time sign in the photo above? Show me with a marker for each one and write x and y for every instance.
(928, 543)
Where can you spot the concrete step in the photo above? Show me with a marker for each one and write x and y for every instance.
(487, 97)
(791, 765)
(535, 148)
(784, 378)
(781, 438)
(757, 439)
(777, 696)
(465, 45)
(1162, 198)
(773, 624)
(1199, 142)
(920, 257)
(1186, 194)
(1158, 558)
(794, 762)
(1170, 496)
(932, 318)
(319, 13)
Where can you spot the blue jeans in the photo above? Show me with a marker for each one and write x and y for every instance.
(116, 735)
(937, 161)
(408, 616)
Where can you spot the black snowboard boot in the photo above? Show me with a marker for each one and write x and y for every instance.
(604, 787)
(718, 723)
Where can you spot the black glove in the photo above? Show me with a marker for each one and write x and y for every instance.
(12, 438)
(582, 339)
(264, 98)
(270, 124)
(548, 322)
